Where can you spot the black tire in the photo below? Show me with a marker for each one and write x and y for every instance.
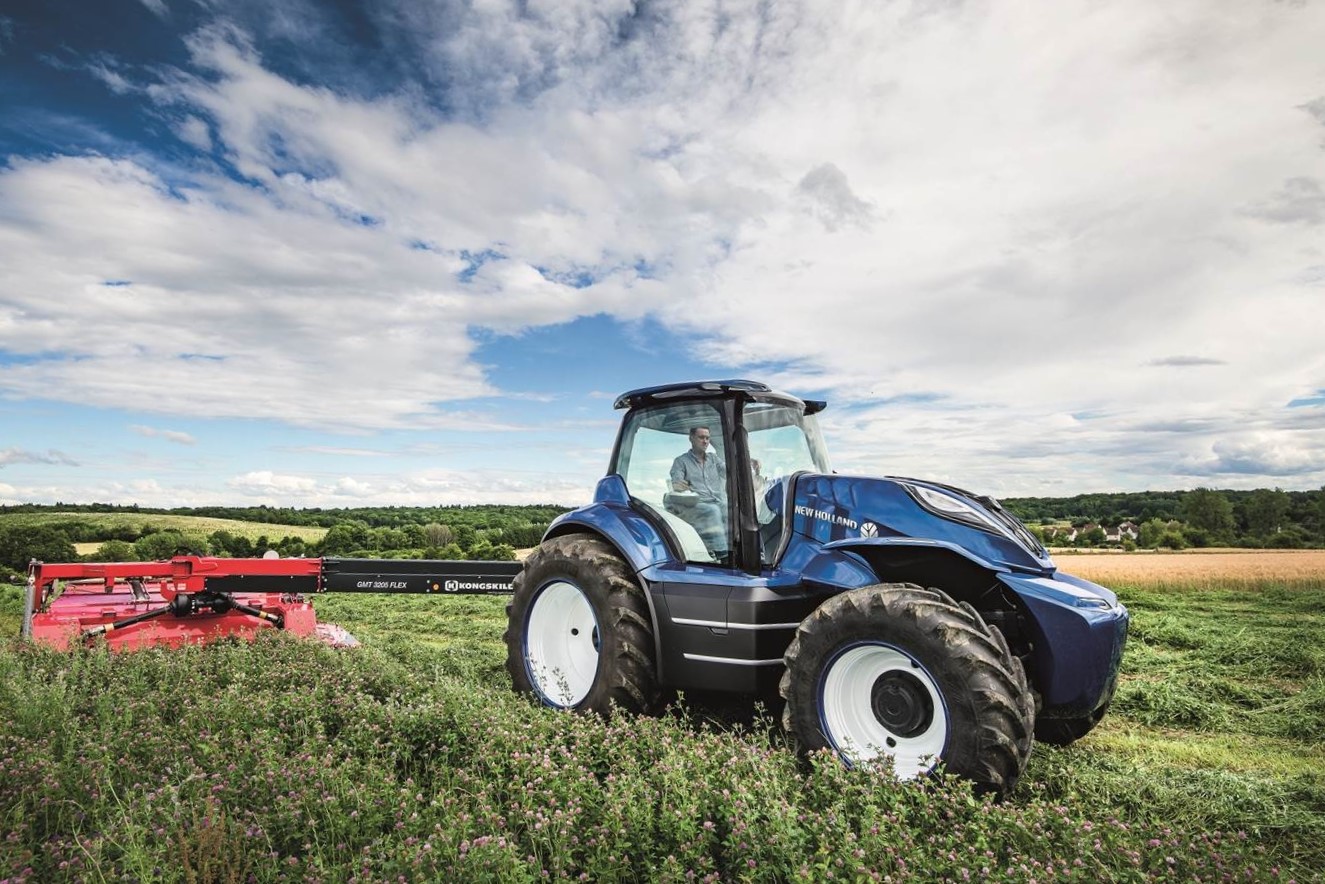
(914, 675)
(1065, 731)
(584, 584)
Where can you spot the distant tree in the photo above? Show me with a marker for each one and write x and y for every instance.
(115, 551)
(165, 544)
(465, 536)
(345, 537)
(228, 544)
(292, 547)
(19, 544)
(502, 552)
(481, 549)
(1210, 512)
(451, 551)
(386, 538)
(1292, 537)
(522, 536)
(1172, 539)
(1093, 537)
(1320, 513)
(1265, 511)
(416, 537)
(1150, 532)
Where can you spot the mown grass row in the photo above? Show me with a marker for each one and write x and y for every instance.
(284, 760)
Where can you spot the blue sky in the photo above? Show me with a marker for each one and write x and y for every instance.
(311, 253)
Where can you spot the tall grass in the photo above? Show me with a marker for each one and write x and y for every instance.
(410, 758)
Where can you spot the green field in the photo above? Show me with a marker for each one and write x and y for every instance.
(411, 759)
(191, 525)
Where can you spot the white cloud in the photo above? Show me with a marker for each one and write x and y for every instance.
(176, 436)
(195, 132)
(337, 451)
(104, 70)
(22, 456)
(423, 488)
(266, 484)
(1258, 455)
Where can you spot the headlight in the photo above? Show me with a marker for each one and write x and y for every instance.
(954, 508)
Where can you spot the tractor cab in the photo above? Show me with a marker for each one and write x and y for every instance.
(711, 462)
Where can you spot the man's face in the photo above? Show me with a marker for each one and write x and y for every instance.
(699, 440)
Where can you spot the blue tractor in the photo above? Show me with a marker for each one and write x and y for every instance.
(891, 617)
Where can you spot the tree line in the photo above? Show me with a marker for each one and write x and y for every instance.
(1201, 517)
(468, 532)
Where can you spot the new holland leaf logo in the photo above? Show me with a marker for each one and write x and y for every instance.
(869, 529)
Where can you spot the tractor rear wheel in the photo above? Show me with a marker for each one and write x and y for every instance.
(907, 673)
(578, 631)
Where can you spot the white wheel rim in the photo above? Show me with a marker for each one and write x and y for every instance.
(850, 721)
(561, 644)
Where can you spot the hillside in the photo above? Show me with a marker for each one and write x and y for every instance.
(114, 525)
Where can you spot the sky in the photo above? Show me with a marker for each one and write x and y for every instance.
(407, 252)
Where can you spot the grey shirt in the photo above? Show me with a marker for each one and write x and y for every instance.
(708, 480)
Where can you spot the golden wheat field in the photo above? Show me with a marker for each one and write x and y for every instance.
(1196, 566)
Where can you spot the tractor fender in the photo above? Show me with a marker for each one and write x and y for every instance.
(858, 544)
(612, 517)
(855, 562)
(836, 568)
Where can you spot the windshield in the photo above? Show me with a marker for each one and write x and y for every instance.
(784, 440)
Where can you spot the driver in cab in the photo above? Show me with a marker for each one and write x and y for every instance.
(701, 471)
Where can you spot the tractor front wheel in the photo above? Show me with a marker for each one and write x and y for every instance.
(907, 673)
(578, 630)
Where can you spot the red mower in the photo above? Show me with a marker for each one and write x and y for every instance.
(191, 599)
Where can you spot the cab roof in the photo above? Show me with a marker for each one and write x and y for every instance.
(713, 390)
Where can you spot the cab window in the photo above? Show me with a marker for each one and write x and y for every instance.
(660, 461)
(783, 441)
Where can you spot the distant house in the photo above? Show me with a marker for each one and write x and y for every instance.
(1124, 531)
(1071, 535)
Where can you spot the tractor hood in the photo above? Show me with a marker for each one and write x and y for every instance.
(830, 508)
